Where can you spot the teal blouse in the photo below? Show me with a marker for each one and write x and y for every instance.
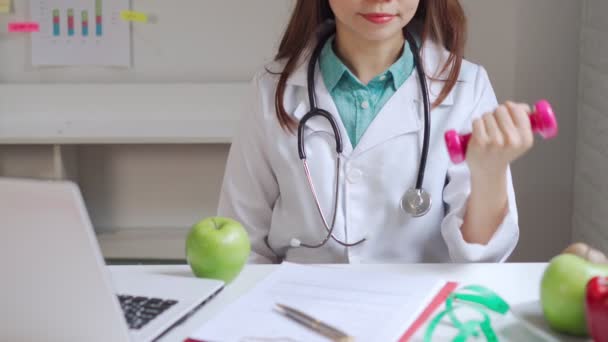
(358, 104)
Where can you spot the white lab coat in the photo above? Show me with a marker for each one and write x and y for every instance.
(265, 187)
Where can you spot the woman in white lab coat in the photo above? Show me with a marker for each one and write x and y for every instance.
(473, 216)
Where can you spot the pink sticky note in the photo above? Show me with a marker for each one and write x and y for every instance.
(23, 27)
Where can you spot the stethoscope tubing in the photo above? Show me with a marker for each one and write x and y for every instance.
(315, 111)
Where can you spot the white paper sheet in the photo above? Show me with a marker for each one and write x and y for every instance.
(95, 34)
(370, 306)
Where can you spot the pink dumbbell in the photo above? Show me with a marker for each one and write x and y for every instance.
(542, 119)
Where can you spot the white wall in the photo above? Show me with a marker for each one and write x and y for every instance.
(547, 67)
(151, 186)
(529, 48)
(590, 183)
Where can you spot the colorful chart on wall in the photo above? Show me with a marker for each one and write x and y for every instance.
(80, 32)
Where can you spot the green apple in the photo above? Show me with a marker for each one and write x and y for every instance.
(217, 248)
(562, 292)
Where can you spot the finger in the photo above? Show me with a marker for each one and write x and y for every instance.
(479, 132)
(495, 137)
(596, 256)
(520, 114)
(505, 122)
(523, 106)
(579, 248)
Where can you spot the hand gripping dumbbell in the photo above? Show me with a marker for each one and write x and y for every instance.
(542, 119)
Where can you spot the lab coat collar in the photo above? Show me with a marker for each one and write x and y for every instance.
(433, 56)
(402, 114)
(320, 124)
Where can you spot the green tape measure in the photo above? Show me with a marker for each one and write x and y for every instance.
(474, 297)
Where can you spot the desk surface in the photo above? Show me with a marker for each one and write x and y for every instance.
(518, 283)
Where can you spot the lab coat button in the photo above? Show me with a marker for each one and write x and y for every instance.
(354, 175)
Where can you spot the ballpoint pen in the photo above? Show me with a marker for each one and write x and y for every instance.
(314, 324)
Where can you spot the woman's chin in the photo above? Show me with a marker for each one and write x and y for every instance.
(380, 35)
(373, 32)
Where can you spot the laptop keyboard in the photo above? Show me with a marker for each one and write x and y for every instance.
(141, 310)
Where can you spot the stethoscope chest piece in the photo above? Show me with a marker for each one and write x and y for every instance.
(416, 202)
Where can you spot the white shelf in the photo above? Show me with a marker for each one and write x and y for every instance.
(120, 113)
(144, 243)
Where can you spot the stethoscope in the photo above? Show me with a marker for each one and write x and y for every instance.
(416, 201)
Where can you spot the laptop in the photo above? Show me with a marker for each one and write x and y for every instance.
(55, 286)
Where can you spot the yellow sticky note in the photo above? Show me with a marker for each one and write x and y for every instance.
(133, 16)
(5, 6)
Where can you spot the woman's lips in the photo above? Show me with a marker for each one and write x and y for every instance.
(378, 18)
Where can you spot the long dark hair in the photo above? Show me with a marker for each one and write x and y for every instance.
(443, 22)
